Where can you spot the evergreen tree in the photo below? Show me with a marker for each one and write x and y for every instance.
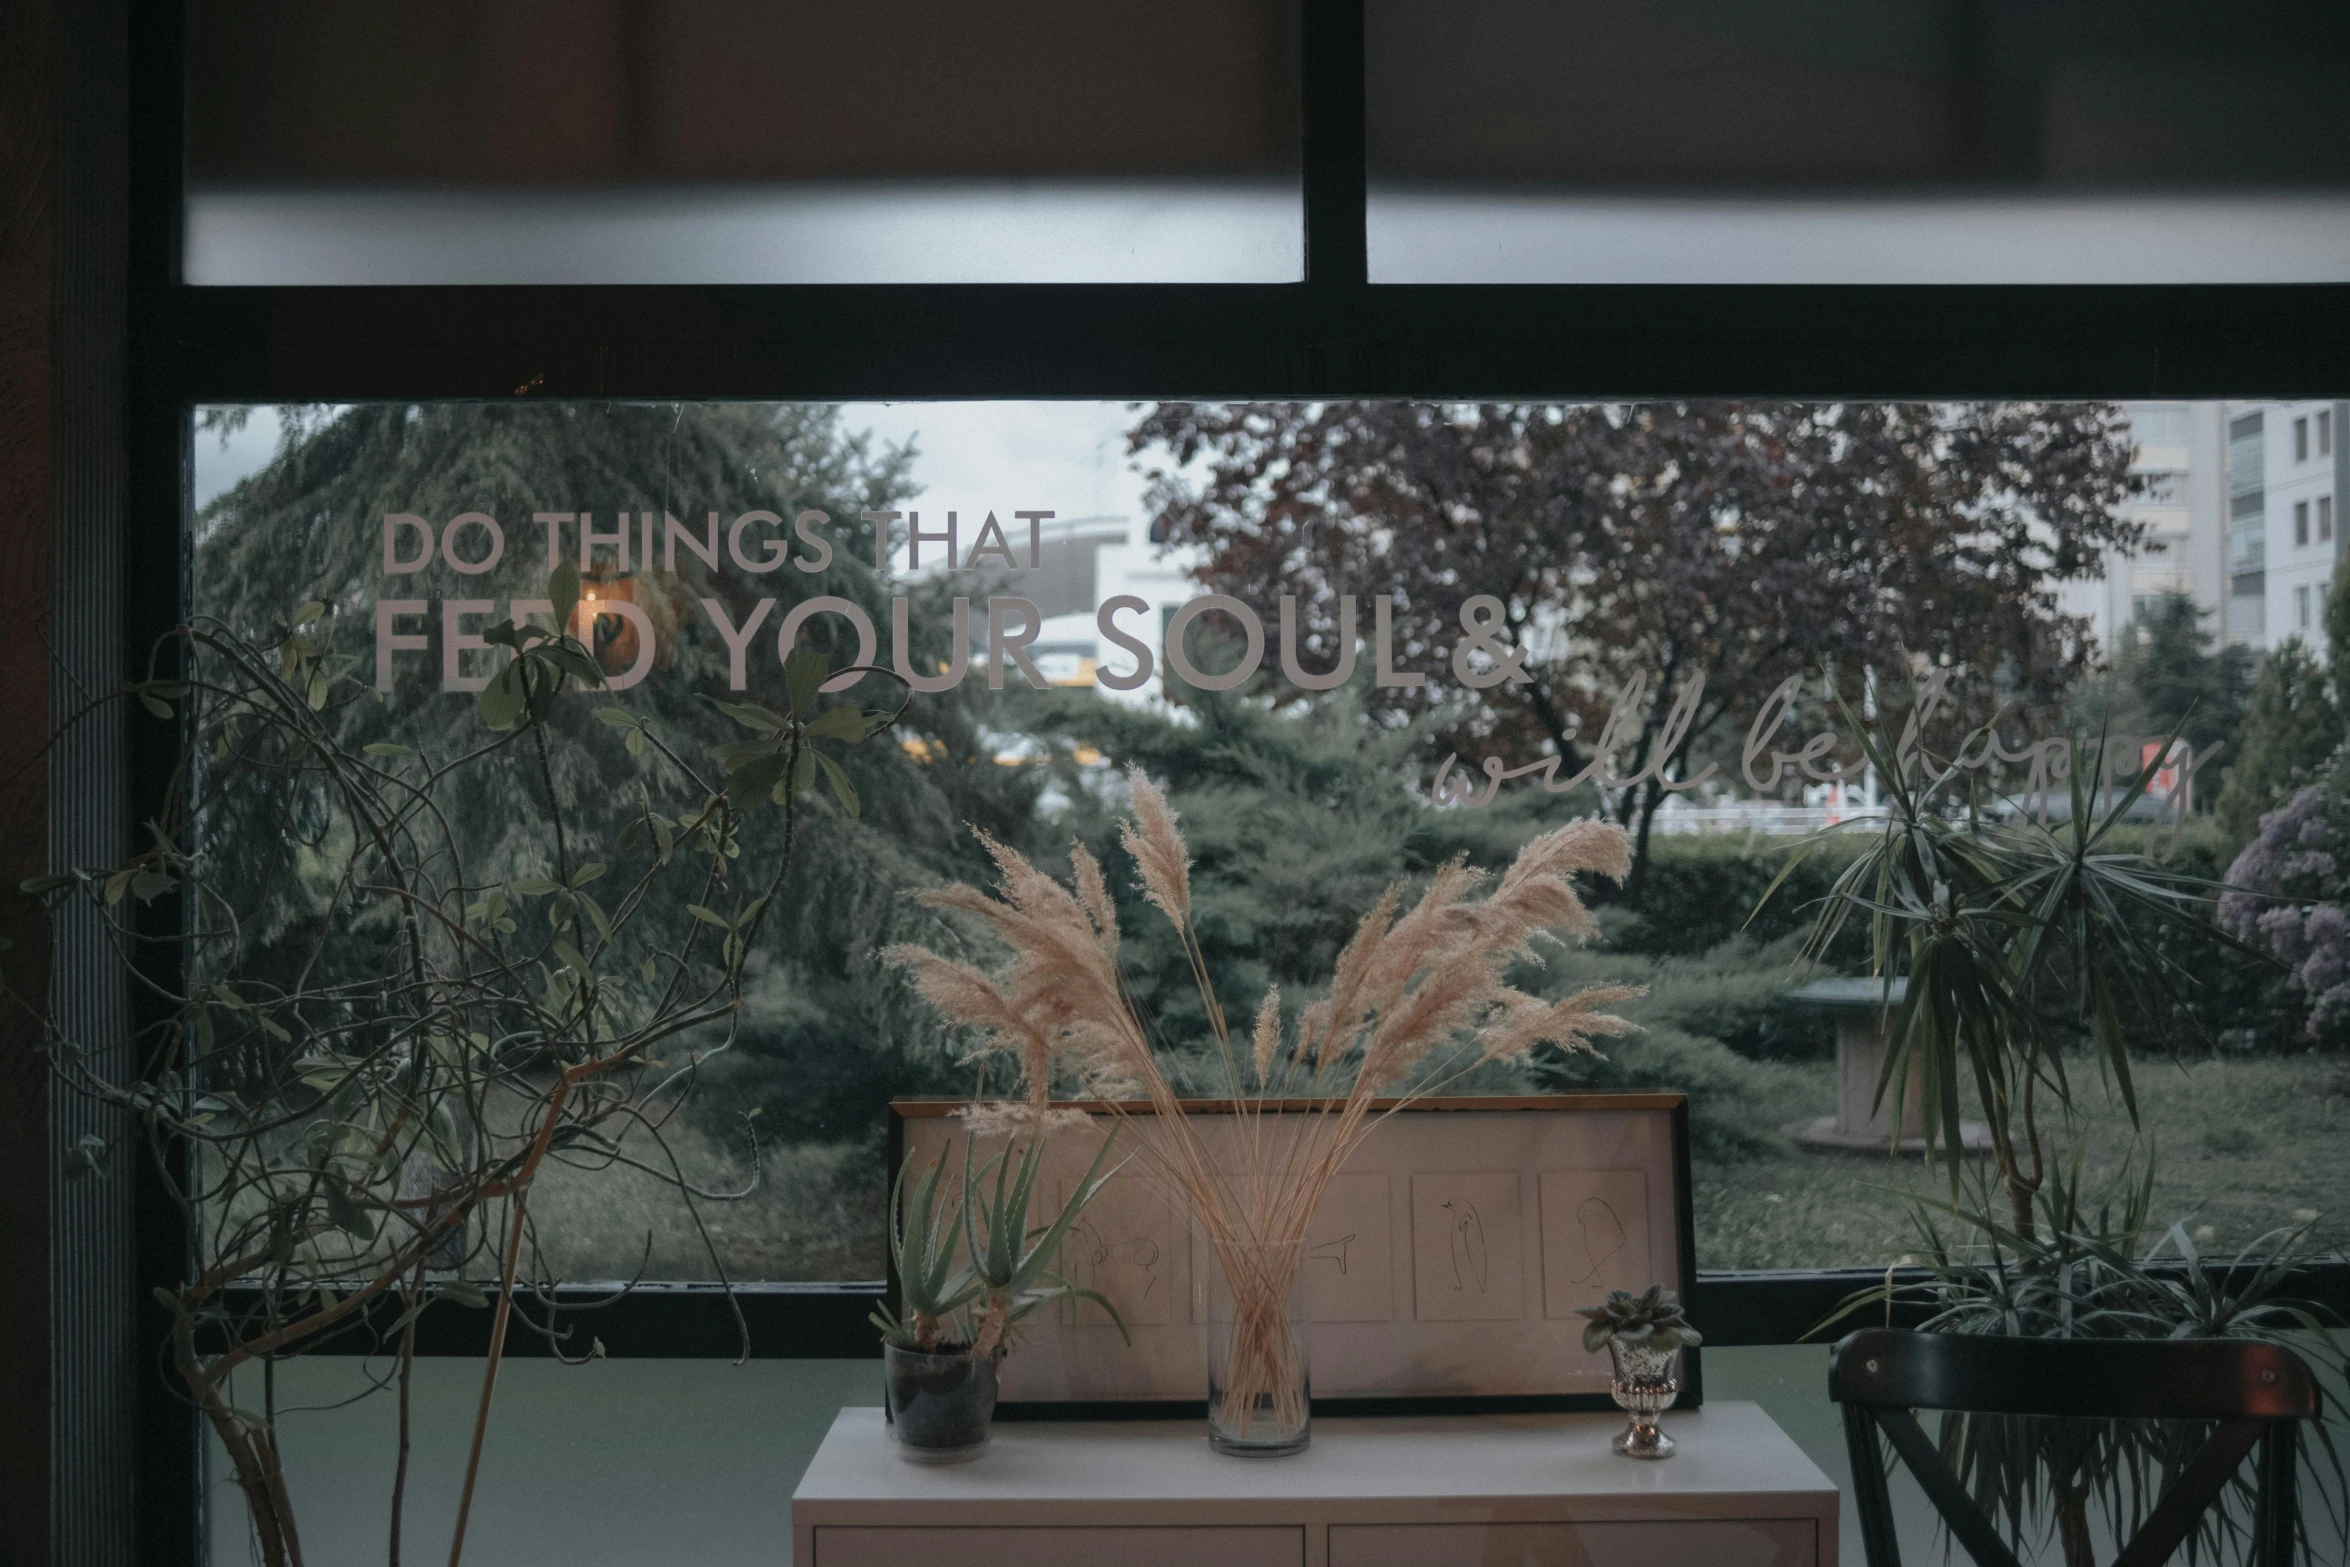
(833, 1033)
(2291, 727)
(2180, 684)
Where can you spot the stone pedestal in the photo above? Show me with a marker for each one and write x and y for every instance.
(1864, 1009)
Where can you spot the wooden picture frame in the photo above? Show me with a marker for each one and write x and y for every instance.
(1460, 1239)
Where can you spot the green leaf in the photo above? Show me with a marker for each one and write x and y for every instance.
(758, 776)
(40, 886)
(572, 958)
(563, 588)
(709, 916)
(842, 790)
(736, 754)
(501, 701)
(537, 886)
(309, 612)
(803, 673)
(346, 1213)
(751, 716)
(387, 748)
(837, 723)
(464, 1292)
(315, 695)
(617, 717)
(572, 660)
(154, 704)
(588, 872)
(803, 776)
(595, 913)
(150, 884)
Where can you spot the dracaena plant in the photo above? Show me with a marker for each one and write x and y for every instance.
(2011, 935)
(2103, 1268)
(367, 1036)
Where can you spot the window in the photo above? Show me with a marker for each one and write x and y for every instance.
(2325, 432)
(2325, 519)
(704, 529)
(802, 350)
(2301, 522)
(2247, 538)
(2301, 440)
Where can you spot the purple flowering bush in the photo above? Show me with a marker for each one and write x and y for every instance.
(2286, 901)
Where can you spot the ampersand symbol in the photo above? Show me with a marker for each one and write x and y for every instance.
(1483, 620)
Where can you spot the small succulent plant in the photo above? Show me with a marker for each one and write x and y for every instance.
(1651, 1319)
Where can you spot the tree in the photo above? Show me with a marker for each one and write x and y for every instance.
(1737, 544)
(2183, 686)
(829, 1035)
(2291, 727)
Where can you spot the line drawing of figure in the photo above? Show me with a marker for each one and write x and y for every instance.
(1468, 1243)
(1603, 1237)
(1327, 1254)
(1112, 1264)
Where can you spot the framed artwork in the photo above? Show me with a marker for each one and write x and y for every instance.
(1443, 1269)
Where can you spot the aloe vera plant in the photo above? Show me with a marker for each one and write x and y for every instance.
(931, 1289)
(946, 1305)
(1012, 1263)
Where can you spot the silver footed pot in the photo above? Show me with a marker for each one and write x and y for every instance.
(1645, 1386)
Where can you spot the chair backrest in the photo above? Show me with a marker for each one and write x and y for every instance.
(2252, 1393)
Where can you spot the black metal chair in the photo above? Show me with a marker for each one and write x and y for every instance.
(2254, 1394)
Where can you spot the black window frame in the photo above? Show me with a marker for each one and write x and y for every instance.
(1332, 334)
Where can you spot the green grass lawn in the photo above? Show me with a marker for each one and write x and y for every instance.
(2242, 1146)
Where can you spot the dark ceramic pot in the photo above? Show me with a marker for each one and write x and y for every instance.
(939, 1407)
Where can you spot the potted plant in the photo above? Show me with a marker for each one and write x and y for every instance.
(955, 1323)
(2021, 941)
(1421, 994)
(1642, 1334)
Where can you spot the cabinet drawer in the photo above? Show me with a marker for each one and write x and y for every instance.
(1077, 1546)
(1699, 1542)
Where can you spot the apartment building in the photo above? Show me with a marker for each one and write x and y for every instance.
(2244, 506)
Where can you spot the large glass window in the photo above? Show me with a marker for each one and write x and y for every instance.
(1440, 628)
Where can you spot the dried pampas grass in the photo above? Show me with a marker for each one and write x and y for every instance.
(1417, 996)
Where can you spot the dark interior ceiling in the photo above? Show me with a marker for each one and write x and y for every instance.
(1553, 92)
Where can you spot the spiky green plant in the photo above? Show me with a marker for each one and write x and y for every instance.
(1012, 1262)
(945, 1307)
(2010, 934)
(2106, 1274)
(922, 1237)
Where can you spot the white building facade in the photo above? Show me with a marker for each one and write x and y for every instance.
(2244, 504)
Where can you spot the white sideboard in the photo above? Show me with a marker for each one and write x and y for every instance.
(1473, 1490)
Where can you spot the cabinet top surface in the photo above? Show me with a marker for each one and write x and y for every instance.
(1726, 1450)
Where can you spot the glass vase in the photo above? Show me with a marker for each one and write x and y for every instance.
(1259, 1392)
(1644, 1387)
(939, 1408)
